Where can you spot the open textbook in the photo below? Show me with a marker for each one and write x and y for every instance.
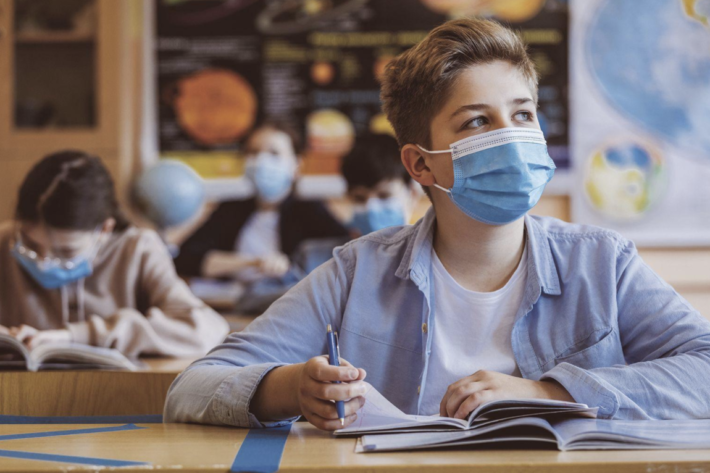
(378, 415)
(565, 425)
(565, 434)
(15, 355)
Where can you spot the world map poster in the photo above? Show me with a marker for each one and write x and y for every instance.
(640, 101)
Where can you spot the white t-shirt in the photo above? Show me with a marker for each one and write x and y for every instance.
(260, 234)
(258, 237)
(472, 331)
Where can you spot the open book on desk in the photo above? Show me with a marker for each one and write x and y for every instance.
(378, 415)
(564, 433)
(51, 356)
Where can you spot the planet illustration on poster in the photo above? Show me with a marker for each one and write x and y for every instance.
(329, 131)
(380, 66)
(515, 11)
(322, 72)
(380, 125)
(214, 106)
(623, 181)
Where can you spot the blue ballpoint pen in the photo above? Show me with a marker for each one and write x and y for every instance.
(335, 361)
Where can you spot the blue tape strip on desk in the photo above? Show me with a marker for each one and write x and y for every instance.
(60, 433)
(261, 450)
(141, 419)
(67, 459)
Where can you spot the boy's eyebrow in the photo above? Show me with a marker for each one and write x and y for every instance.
(471, 107)
(483, 106)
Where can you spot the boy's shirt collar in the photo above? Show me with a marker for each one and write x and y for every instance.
(417, 258)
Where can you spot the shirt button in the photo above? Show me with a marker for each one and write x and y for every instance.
(424, 328)
(419, 389)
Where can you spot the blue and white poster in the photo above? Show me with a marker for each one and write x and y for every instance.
(640, 105)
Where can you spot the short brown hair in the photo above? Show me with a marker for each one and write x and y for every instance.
(417, 82)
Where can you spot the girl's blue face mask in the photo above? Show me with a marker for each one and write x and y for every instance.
(500, 175)
(271, 176)
(52, 272)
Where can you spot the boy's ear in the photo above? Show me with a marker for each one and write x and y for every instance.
(416, 162)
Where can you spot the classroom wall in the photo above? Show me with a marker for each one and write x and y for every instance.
(687, 269)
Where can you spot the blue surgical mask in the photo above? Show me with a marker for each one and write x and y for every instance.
(53, 273)
(378, 214)
(272, 178)
(500, 175)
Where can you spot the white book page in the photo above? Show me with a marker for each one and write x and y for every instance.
(541, 430)
(68, 353)
(378, 414)
(12, 348)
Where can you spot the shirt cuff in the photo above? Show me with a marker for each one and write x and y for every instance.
(234, 395)
(585, 388)
(80, 332)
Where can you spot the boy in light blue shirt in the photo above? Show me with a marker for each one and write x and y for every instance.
(571, 312)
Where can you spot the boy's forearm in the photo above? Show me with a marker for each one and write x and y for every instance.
(276, 397)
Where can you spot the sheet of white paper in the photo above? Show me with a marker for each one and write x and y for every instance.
(378, 414)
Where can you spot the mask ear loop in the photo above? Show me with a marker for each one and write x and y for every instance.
(446, 151)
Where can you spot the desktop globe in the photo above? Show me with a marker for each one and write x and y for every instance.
(622, 182)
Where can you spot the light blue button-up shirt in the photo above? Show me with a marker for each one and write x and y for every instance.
(594, 317)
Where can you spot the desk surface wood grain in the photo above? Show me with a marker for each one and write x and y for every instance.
(89, 393)
(211, 449)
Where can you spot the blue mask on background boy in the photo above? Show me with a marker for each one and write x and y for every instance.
(378, 214)
(500, 175)
(52, 274)
(271, 178)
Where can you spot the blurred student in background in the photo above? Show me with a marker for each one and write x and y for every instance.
(254, 238)
(380, 189)
(73, 269)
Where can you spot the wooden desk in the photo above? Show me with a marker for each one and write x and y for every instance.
(89, 393)
(210, 449)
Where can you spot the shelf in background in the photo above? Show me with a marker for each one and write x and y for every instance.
(55, 37)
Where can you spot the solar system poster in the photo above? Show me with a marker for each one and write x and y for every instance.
(316, 64)
(641, 96)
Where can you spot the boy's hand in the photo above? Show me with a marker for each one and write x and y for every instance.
(316, 392)
(467, 394)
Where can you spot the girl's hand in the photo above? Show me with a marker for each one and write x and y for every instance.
(32, 337)
(274, 265)
(465, 395)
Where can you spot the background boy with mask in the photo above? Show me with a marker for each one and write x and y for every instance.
(379, 188)
(254, 238)
(478, 301)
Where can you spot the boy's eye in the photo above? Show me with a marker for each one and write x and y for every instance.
(476, 122)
